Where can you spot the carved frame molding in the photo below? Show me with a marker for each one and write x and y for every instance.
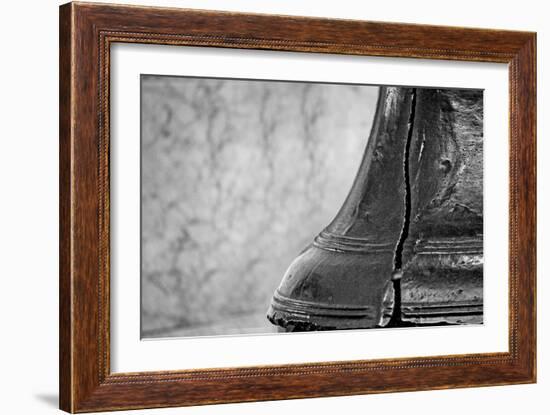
(86, 33)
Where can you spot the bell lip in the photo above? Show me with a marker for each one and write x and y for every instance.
(463, 312)
(301, 315)
(283, 303)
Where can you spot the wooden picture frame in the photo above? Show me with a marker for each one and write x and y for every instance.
(86, 33)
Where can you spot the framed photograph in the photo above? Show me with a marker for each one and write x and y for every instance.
(258, 207)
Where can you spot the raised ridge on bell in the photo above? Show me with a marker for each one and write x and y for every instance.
(329, 240)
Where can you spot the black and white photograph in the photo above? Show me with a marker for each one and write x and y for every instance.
(273, 206)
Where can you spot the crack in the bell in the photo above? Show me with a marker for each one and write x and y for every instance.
(398, 255)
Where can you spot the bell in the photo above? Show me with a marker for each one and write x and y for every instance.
(343, 279)
(442, 275)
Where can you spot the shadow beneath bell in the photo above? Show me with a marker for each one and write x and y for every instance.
(50, 399)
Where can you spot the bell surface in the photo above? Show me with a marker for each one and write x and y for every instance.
(442, 259)
(343, 279)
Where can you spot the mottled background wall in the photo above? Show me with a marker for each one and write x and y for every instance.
(237, 178)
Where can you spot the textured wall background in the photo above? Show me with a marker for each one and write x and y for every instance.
(237, 178)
